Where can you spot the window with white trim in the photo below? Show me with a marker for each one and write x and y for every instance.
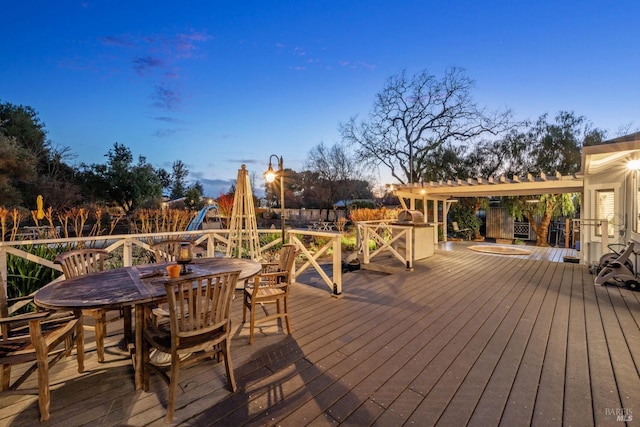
(605, 206)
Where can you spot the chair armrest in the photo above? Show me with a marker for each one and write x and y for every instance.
(275, 274)
(24, 317)
(18, 299)
(160, 312)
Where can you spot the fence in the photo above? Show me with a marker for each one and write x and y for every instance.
(212, 242)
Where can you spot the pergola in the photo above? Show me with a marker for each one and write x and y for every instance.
(446, 192)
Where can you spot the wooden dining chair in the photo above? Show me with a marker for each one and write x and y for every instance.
(270, 287)
(166, 251)
(81, 262)
(199, 326)
(39, 338)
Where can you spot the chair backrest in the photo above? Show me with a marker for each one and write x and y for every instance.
(80, 262)
(7, 310)
(4, 312)
(199, 305)
(167, 250)
(288, 255)
(4, 305)
(455, 226)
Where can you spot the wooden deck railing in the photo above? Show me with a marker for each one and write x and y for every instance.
(379, 232)
(214, 242)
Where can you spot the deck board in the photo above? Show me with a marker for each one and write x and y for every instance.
(577, 384)
(466, 338)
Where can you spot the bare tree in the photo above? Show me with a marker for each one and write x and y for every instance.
(335, 172)
(413, 116)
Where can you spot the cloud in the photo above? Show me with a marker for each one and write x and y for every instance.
(157, 52)
(163, 133)
(116, 41)
(243, 161)
(184, 44)
(166, 98)
(214, 187)
(167, 119)
(145, 64)
(357, 65)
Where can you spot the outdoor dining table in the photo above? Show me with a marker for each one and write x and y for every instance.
(132, 286)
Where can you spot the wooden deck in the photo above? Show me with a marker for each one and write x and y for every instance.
(465, 339)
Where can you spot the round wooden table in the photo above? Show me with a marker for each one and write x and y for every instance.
(137, 285)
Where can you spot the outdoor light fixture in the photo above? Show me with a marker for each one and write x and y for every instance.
(270, 176)
(633, 165)
(184, 257)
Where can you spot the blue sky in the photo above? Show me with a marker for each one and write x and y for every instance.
(220, 83)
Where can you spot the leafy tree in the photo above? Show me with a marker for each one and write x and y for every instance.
(193, 197)
(547, 207)
(49, 174)
(179, 180)
(225, 205)
(122, 182)
(413, 116)
(17, 166)
(540, 147)
(165, 180)
(464, 213)
(23, 124)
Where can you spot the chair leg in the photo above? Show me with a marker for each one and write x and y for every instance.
(252, 322)
(286, 315)
(228, 366)
(173, 386)
(6, 376)
(42, 364)
(244, 309)
(44, 399)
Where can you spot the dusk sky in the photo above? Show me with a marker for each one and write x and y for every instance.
(218, 84)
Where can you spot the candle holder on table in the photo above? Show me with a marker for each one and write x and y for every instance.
(185, 256)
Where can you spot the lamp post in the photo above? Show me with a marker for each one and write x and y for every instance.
(270, 176)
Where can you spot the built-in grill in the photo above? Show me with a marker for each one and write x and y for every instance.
(423, 234)
(410, 217)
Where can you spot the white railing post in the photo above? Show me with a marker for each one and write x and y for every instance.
(605, 236)
(409, 251)
(211, 245)
(337, 266)
(127, 253)
(365, 245)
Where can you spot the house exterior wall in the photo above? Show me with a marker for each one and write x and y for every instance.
(616, 178)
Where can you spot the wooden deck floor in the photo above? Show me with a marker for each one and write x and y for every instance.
(465, 339)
